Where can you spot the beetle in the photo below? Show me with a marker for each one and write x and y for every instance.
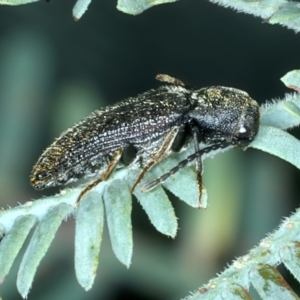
(143, 130)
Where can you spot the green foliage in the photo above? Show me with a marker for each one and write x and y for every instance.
(282, 12)
(286, 13)
(257, 268)
(114, 197)
(111, 200)
(135, 7)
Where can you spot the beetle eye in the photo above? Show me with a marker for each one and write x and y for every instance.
(242, 131)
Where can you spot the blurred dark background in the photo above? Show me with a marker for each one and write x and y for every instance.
(55, 71)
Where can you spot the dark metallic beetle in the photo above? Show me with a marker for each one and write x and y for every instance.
(143, 130)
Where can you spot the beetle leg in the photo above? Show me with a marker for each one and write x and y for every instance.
(151, 185)
(111, 166)
(158, 156)
(199, 166)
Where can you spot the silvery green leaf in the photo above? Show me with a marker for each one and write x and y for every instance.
(273, 11)
(12, 242)
(269, 284)
(282, 114)
(279, 143)
(290, 254)
(117, 200)
(88, 236)
(286, 12)
(292, 78)
(156, 204)
(16, 2)
(38, 246)
(235, 292)
(135, 7)
(80, 8)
